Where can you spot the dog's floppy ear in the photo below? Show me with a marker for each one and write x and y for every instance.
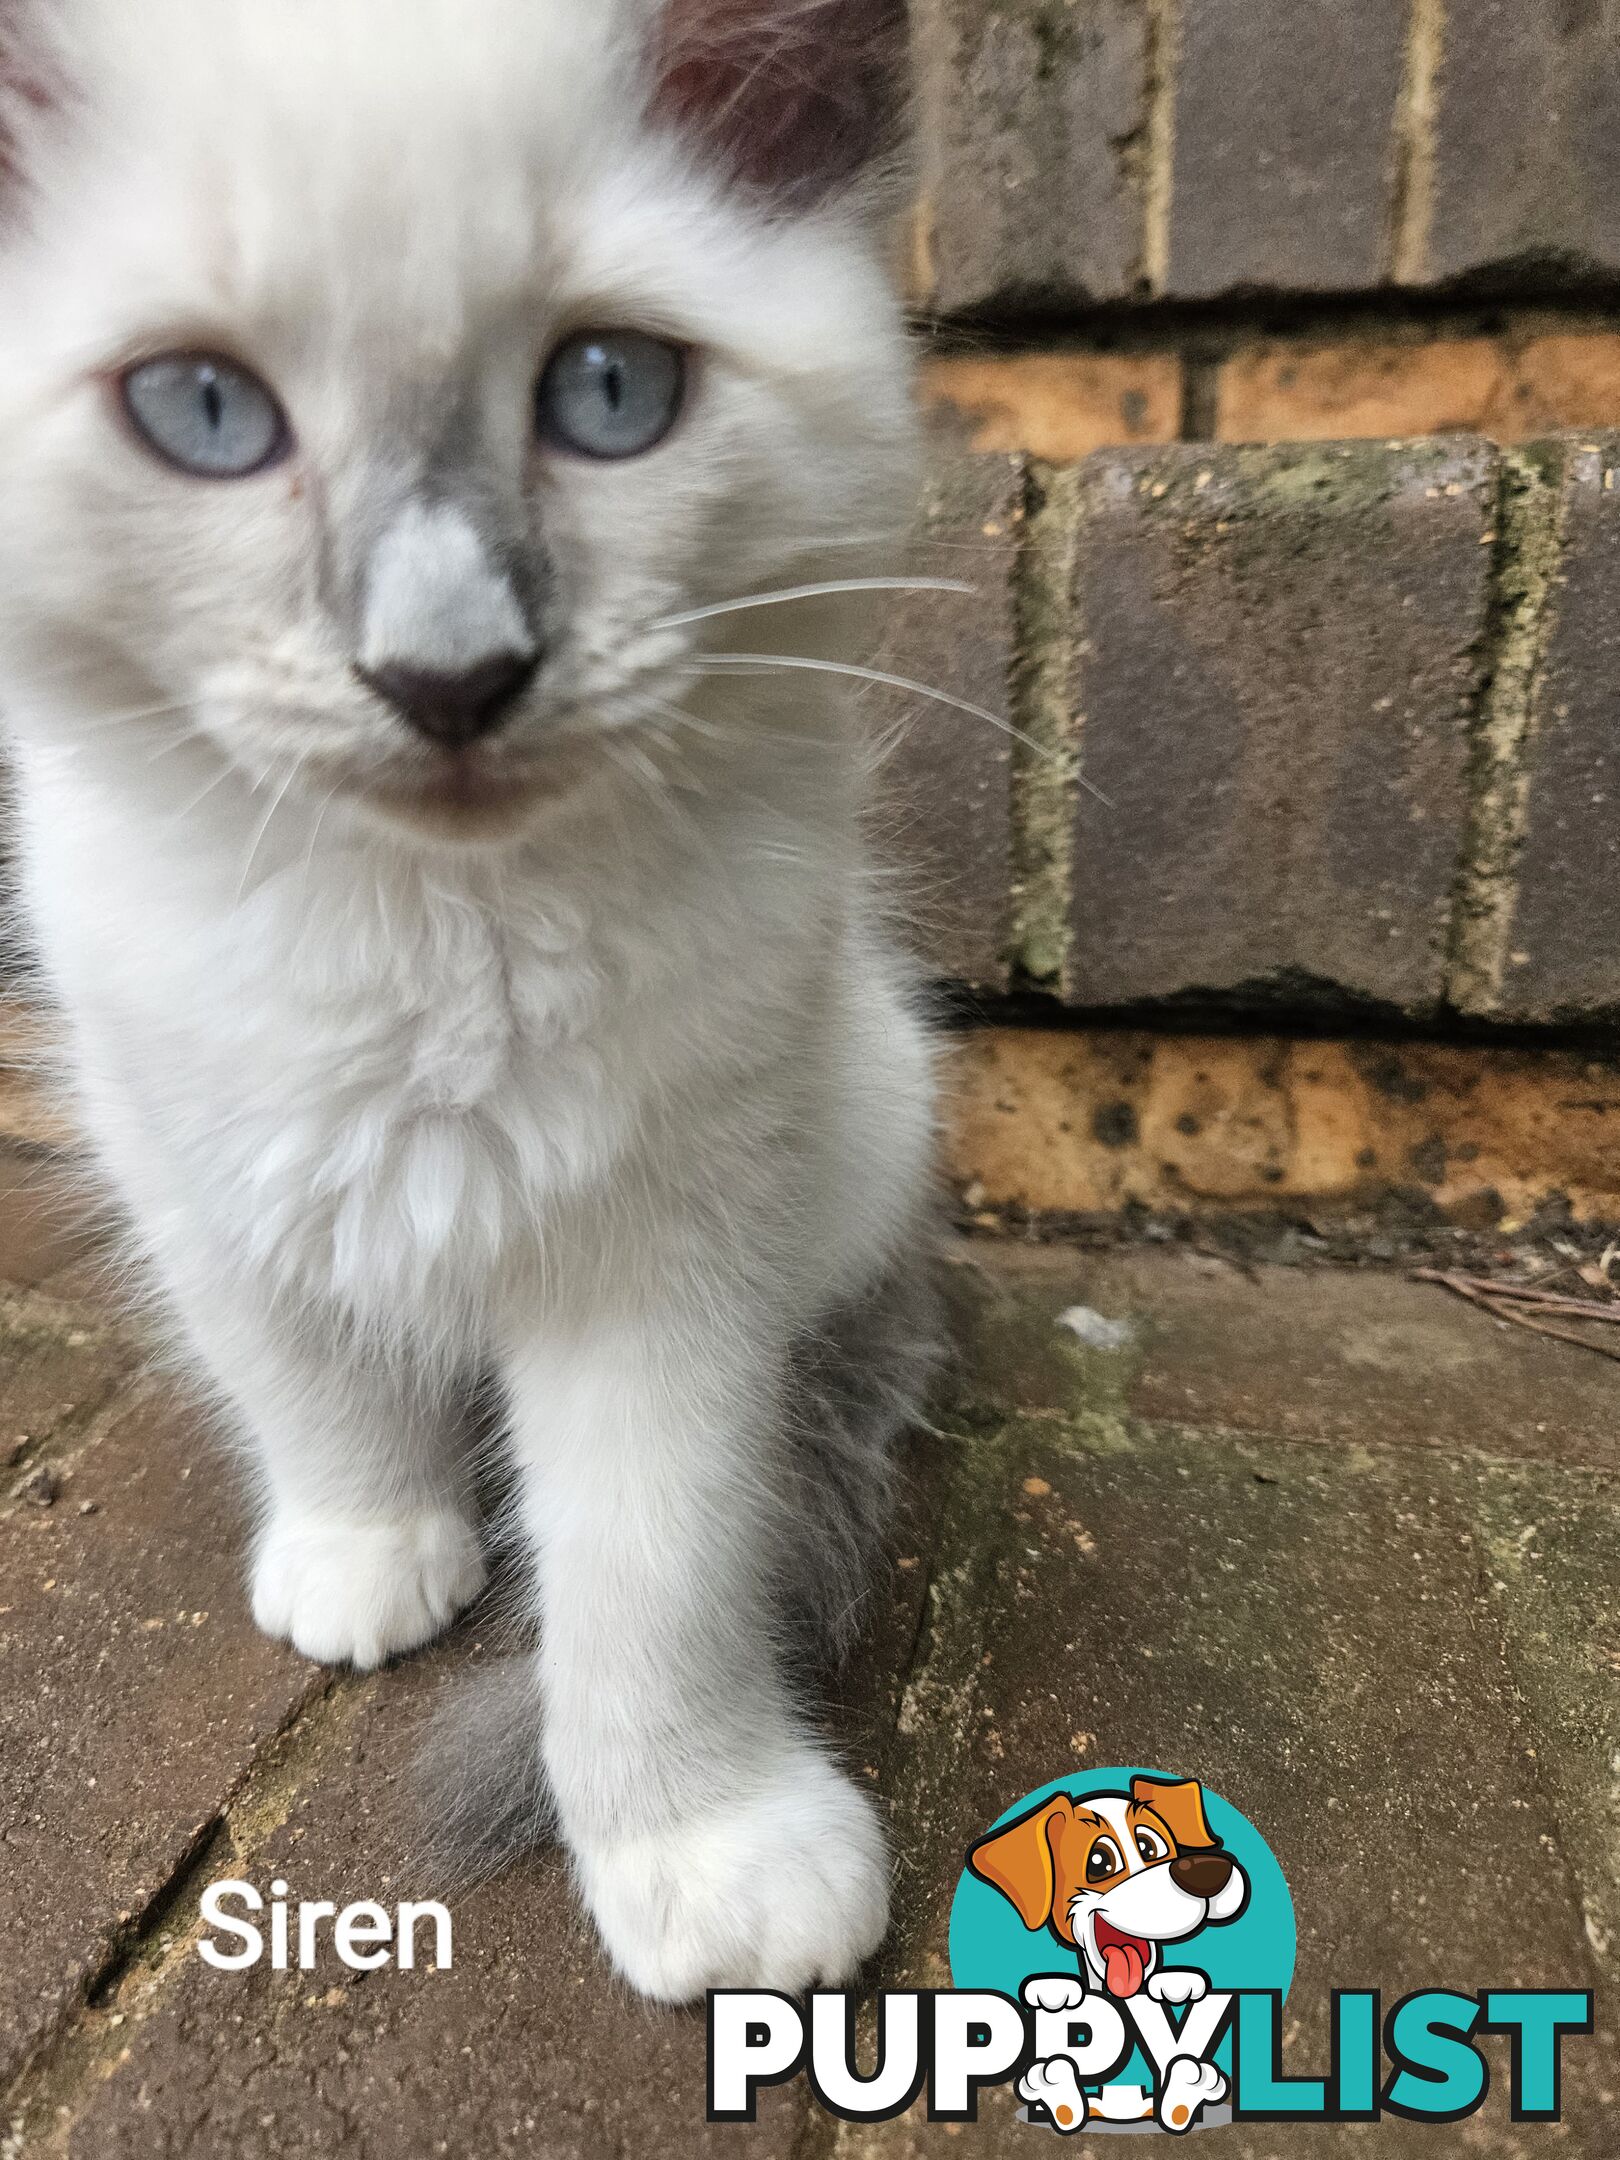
(1018, 1861)
(1179, 1804)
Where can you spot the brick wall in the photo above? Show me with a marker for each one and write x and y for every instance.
(1086, 152)
(1310, 728)
(1253, 323)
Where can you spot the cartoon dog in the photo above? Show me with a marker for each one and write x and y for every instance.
(1115, 1877)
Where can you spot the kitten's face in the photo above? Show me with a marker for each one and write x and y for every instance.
(373, 397)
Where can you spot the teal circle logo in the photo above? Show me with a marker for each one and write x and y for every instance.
(1140, 1888)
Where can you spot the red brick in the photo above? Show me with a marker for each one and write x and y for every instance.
(1061, 405)
(1512, 387)
(1276, 661)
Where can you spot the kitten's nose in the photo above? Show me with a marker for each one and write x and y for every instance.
(453, 709)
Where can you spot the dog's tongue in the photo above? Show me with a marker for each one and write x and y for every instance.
(1124, 1966)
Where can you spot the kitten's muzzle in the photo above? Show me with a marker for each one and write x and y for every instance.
(453, 709)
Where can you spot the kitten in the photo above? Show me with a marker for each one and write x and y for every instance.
(469, 958)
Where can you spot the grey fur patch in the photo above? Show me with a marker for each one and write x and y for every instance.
(858, 1379)
(482, 1792)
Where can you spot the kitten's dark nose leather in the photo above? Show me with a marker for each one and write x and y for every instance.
(1201, 1874)
(454, 710)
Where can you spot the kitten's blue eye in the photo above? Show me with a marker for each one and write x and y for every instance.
(612, 393)
(206, 416)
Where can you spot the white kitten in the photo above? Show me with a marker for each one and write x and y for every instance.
(464, 960)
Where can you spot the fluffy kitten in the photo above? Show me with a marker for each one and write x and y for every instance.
(467, 955)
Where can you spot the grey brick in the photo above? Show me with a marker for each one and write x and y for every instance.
(945, 805)
(1283, 119)
(1276, 659)
(1563, 961)
(1525, 170)
(1031, 112)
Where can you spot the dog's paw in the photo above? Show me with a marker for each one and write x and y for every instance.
(787, 1888)
(1189, 2087)
(1054, 1991)
(1056, 2087)
(1178, 1984)
(361, 1593)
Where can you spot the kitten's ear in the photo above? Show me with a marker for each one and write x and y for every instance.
(795, 97)
(24, 90)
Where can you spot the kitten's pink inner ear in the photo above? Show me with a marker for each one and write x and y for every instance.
(794, 97)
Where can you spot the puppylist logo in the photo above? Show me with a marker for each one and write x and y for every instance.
(1121, 1948)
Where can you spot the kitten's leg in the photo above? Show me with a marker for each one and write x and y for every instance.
(715, 1842)
(365, 1547)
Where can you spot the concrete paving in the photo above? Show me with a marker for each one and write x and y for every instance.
(1333, 1542)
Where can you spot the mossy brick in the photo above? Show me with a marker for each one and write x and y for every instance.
(1551, 1547)
(1312, 1632)
(1525, 183)
(945, 794)
(136, 1694)
(1276, 656)
(1032, 115)
(1563, 930)
(1284, 111)
(1314, 1354)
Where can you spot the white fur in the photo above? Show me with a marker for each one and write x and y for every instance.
(783, 1887)
(434, 599)
(359, 1593)
(614, 1083)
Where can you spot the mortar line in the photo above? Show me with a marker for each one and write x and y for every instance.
(1159, 97)
(82, 2045)
(1411, 209)
(1045, 771)
(1531, 513)
(1200, 398)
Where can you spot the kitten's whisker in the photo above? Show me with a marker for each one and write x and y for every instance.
(733, 663)
(810, 592)
(293, 771)
(331, 796)
(187, 738)
(918, 543)
(712, 731)
(103, 721)
(225, 771)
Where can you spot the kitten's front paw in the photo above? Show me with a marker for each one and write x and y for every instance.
(788, 1889)
(361, 1593)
